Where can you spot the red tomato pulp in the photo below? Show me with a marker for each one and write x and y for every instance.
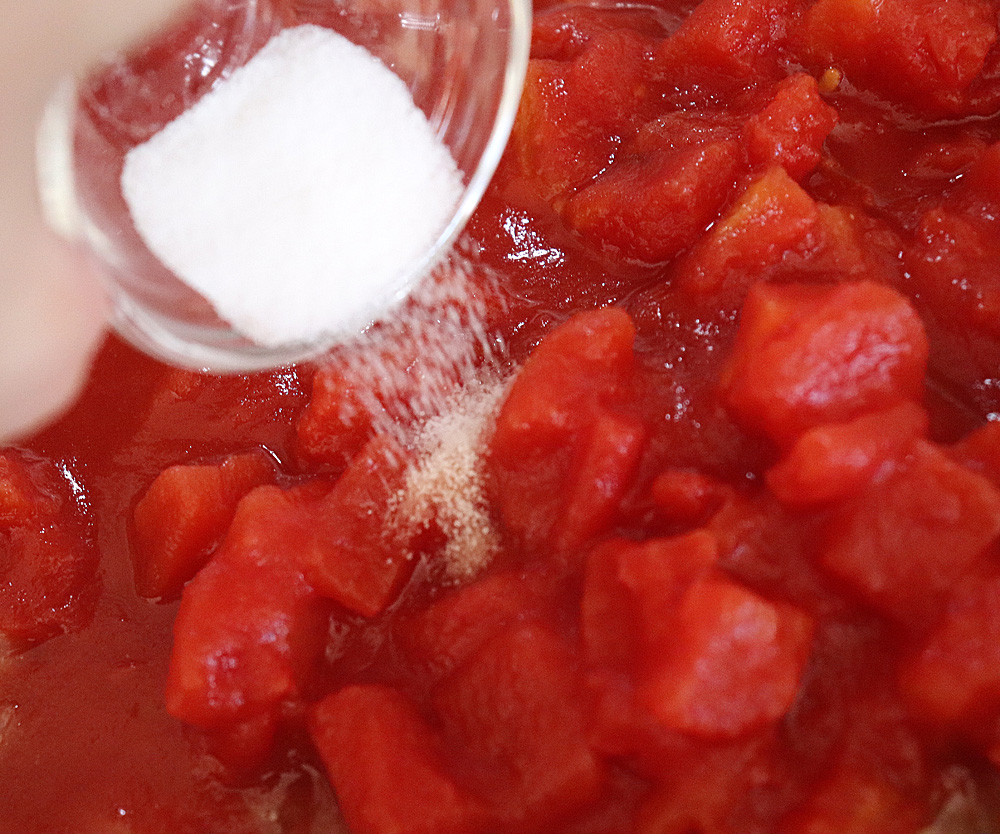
(736, 561)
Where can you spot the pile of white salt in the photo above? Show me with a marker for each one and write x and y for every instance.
(299, 194)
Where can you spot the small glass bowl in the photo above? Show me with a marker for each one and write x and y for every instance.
(464, 62)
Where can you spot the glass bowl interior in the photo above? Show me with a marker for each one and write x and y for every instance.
(463, 61)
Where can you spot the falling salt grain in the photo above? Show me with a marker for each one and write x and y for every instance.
(297, 195)
(446, 487)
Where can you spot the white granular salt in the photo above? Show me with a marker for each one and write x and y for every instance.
(298, 193)
(445, 486)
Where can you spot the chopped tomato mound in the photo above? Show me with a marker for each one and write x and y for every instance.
(914, 532)
(653, 207)
(921, 52)
(791, 129)
(249, 625)
(516, 706)
(185, 513)
(809, 355)
(668, 503)
(726, 636)
(774, 215)
(953, 677)
(833, 462)
(387, 766)
(357, 558)
(560, 417)
(47, 562)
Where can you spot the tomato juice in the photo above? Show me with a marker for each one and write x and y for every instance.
(703, 539)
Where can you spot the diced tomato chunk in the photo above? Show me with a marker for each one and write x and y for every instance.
(571, 111)
(979, 450)
(47, 560)
(704, 787)
(791, 129)
(358, 558)
(732, 663)
(630, 591)
(921, 52)
(337, 422)
(852, 801)
(578, 366)
(516, 705)
(550, 148)
(954, 677)
(833, 462)
(652, 207)
(904, 541)
(249, 625)
(443, 635)
(21, 501)
(605, 462)
(245, 746)
(773, 216)
(723, 47)
(808, 355)
(184, 514)
(684, 495)
(561, 455)
(387, 766)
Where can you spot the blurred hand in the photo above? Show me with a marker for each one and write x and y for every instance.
(52, 310)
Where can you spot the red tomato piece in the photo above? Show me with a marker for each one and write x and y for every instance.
(245, 746)
(184, 514)
(705, 786)
(572, 111)
(833, 462)
(724, 47)
(630, 591)
(948, 267)
(359, 558)
(397, 370)
(731, 664)
(604, 465)
(387, 766)
(921, 52)
(686, 496)
(979, 450)
(338, 420)
(21, 500)
(791, 129)
(558, 426)
(809, 355)
(852, 801)
(516, 705)
(552, 151)
(249, 625)
(774, 215)
(919, 527)
(443, 635)
(47, 561)
(651, 208)
(610, 80)
(954, 677)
